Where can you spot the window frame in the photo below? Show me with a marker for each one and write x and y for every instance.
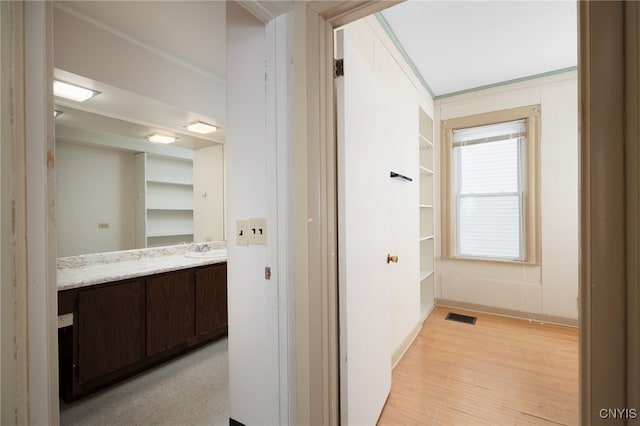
(530, 204)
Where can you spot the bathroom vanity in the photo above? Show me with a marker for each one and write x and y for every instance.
(121, 313)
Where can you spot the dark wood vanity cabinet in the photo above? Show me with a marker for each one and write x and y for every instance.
(110, 329)
(211, 300)
(125, 327)
(170, 307)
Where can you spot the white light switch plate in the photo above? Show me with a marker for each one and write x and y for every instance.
(242, 236)
(258, 231)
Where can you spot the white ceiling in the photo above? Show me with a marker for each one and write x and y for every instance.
(455, 46)
(462, 45)
(191, 33)
(188, 30)
(122, 113)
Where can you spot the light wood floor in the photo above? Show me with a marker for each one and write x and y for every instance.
(499, 371)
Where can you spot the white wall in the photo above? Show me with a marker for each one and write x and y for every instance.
(254, 385)
(147, 61)
(93, 185)
(208, 194)
(551, 289)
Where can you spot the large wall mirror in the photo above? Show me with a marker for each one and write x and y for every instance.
(115, 188)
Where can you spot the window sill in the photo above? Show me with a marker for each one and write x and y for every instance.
(486, 260)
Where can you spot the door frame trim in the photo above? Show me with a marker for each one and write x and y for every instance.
(632, 157)
(29, 289)
(315, 204)
(605, 326)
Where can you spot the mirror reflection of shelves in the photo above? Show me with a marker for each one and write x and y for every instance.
(426, 206)
(164, 197)
(169, 196)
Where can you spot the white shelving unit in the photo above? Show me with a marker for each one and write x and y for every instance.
(427, 216)
(164, 198)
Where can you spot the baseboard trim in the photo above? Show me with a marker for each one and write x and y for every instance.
(405, 344)
(424, 316)
(545, 318)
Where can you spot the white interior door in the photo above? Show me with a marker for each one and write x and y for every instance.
(363, 238)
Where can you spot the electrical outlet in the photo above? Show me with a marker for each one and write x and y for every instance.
(103, 225)
(258, 231)
(242, 238)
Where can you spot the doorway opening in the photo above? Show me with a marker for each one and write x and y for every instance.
(123, 197)
(394, 93)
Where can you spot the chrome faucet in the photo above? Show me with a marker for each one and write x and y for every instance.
(203, 248)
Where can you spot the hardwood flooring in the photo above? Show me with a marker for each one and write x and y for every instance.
(500, 371)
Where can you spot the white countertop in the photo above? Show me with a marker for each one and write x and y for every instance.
(80, 271)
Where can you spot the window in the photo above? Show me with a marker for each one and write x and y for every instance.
(490, 208)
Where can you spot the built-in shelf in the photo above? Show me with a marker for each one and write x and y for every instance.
(425, 171)
(426, 207)
(169, 182)
(424, 142)
(169, 209)
(169, 234)
(425, 274)
(168, 240)
(164, 210)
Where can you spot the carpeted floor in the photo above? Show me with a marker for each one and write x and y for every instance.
(191, 390)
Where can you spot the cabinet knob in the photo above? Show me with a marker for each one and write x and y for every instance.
(393, 259)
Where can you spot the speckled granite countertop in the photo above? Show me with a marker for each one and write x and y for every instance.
(90, 269)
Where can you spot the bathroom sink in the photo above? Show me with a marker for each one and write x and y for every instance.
(211, 254)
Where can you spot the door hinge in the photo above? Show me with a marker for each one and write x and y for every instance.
(338, 68)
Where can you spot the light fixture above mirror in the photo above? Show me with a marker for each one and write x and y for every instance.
(160, 138)
(72, 91)
(201, 127)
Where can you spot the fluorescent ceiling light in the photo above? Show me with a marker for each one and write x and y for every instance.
(73, 92)
(201, 127)
(57, 113)
(158, 138)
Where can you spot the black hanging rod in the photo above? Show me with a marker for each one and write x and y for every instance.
(399, 176)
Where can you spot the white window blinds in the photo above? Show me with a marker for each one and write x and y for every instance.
(489, 190)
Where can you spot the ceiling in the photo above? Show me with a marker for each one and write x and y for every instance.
(462, 45)
(187, 30)
(454, 45)
(188, 33)
(128, 115)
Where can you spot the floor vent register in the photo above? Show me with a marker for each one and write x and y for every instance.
(461, 318)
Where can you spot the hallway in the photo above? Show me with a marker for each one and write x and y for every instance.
(500, 371)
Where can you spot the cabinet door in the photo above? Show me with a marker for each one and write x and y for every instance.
(110, 328)
(170, 321)
(211, 299)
